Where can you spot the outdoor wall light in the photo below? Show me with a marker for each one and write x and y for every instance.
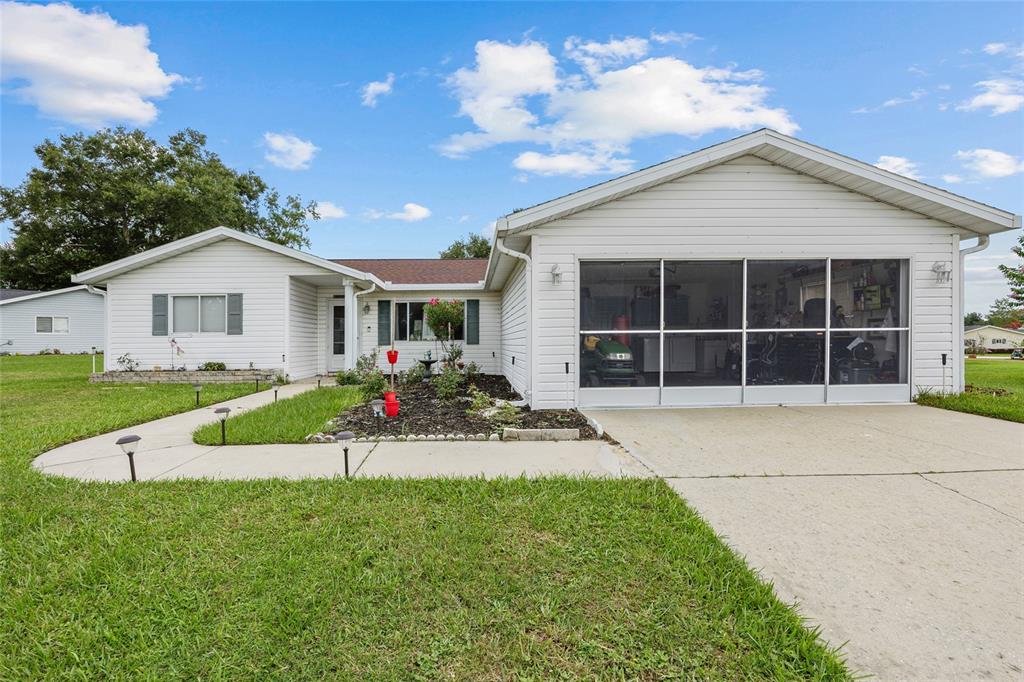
(556, 274)
(344, 438)
(129, 445)
(943, 272)
(197, 388)
(366, 309)
(222, 414)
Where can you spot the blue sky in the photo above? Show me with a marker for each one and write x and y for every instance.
(479, 109)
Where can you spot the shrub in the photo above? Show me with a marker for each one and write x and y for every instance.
(367, 363)
(448, 383)
(280, 378)
(506, 416)
(126, 363)
(212, 367)
(472, 371)
(480, 400)
(348, 377)
(374, 384)
(411, 376)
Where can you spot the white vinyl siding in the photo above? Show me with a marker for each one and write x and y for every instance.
(484, 354)
(230, 266)
(79, 312)
(746, 208)
(302, 313)
(515, 329)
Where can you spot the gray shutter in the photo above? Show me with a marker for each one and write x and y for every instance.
(472, 322)
(383, 323)
(159, 314)
(234, 314)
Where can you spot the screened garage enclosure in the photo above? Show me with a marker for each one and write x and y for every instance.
(685, 332)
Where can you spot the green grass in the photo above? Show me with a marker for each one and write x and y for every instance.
(286, 421)
(1004, 374)
(363, 579)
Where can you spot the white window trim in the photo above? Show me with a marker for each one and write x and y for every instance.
(52, 318)
(408, 325)
(170, 315)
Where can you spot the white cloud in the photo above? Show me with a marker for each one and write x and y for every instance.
(410, 213)
(989, 163)
(288, 151)
(894, 102)
(1001, 95)
(81, 67)
(1008, 49)
(917, 71)
(594, 56)
(573, 163)
(682, 39)
(330, 210)
(899, 164)
(373, 90)
(587, 120)
(995, 48)
(952, 179)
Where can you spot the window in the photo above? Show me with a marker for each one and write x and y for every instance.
(52, 325)
(620, 295)
(412, 323)
(199, 314)
(786, 293)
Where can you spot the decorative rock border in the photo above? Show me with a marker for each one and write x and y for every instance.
(171, 376)
(329, 438)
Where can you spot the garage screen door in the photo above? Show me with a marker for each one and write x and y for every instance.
(679, 332)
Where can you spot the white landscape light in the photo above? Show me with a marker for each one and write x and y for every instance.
(197, 388)
(222, 414)
(344, 438)
(129, 446)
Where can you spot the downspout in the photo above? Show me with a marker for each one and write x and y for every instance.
(355, 297)
(499, 244)
(983, 241)
(100, 292)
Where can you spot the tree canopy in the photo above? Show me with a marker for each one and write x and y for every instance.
(96, 198)
(473, 246)
(1014, 274)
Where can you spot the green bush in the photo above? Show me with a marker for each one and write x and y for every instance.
(348, 377)
(411, 376)
(374, 384)
(506, 416)
(212, 367)
(448, 383)
(472, 371)
(367, 363)
(480, 400)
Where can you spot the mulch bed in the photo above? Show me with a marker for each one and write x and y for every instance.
(422, 413)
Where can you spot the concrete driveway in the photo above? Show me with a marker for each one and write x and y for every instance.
(898, 529)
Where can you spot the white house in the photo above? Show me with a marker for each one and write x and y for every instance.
(69, 320)
(761, 270)
(993, 338)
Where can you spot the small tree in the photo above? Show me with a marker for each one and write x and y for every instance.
(443, 318)
(1006, 313)
(973, 319)
(473, 246)
(1015, 274)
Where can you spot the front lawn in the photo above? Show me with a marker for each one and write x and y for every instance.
(995, 388)
(361, 579)
(286, 421)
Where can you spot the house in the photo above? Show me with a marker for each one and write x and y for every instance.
(992, 338)
(68, 320)
(762, 270)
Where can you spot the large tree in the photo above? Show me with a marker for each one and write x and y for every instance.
(1006, 312)
(96, 198)
(473, 246)
(1015, 273)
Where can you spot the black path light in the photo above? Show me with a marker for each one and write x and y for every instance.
(129, 444)
(344, 438)
(222, 413)
(275, 386)
(197, 388)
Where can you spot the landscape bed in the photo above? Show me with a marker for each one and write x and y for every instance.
(422, 412)
(995, 388)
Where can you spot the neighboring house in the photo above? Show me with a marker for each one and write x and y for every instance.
(69, 320)
(761, 270)
(992, 338)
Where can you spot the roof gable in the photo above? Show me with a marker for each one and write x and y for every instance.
(855, 176)
(32, 295)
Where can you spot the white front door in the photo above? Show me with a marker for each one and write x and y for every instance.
(336, 339)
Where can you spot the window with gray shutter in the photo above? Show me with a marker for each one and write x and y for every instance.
(383, 323)
(472, 321)
(159, 314)
(234, 314)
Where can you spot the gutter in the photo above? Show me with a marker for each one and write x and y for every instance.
(983, 242)
(499, 245)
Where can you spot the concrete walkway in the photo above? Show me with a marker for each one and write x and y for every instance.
(167, 452)
(898, 529)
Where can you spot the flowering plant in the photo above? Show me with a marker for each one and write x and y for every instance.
(443, 318)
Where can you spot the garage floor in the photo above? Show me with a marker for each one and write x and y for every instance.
(898, 529)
